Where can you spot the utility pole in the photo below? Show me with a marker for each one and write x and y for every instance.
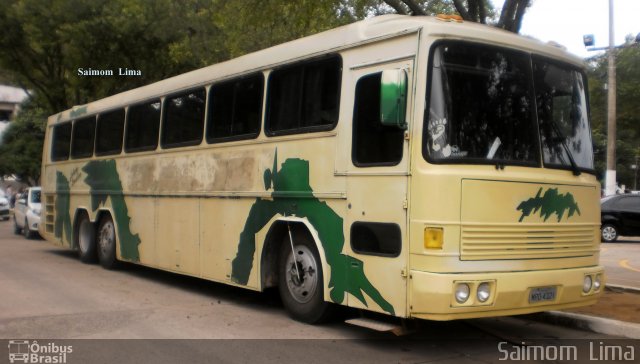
(610, 179)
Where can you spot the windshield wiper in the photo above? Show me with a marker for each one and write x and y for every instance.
(559, 134)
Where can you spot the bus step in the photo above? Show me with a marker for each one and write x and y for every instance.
(378, 325)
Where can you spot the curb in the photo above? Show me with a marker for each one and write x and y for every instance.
(591, 323)
(619, 287)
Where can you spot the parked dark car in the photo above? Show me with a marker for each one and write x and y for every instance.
(620, 216)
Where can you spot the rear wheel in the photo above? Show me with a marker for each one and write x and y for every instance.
(27, 231)
(609, 233)
(16, 229)
(87, 250)
(107, 243)
(301, 282)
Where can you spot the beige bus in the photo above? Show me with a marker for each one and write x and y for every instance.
(413, 166)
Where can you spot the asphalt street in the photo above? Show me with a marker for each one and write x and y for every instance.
(49, 295)
(622, 261)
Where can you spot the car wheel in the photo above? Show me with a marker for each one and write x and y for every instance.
(107, 243)
(87, 251)
(609, 233)
(301, 282)
(16, 229)
(26, 230)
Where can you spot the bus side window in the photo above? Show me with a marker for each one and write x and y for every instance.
(61, 142)
(109, 132)
(235, 109)
(183, 123)
(374, 144)
(143, 125)
(83, 137)
(304, 97)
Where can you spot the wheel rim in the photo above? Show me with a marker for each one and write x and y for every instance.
(609, 233)
(302, 288)
(106, 237)
(85, 236)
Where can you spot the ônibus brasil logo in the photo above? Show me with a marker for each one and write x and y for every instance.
(26, 351)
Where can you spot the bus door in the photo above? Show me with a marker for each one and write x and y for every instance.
(377, 180)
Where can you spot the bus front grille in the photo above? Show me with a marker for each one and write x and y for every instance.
(490, 242)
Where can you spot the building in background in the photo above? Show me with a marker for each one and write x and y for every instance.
(10, 100)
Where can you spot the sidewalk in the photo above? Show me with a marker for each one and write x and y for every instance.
(617, 313)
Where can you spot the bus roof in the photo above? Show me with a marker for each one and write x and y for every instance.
(334, 40)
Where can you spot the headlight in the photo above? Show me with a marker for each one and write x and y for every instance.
(596, 282)
(36, 211)
(586, 285)
(484, 291)
(462, 292)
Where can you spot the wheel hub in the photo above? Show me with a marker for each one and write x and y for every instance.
(303, 281)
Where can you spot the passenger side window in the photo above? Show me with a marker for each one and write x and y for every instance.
(109, 132)
(184, 119)
(84, 132)
(374, 144)
(304, 97)
(235, 109)
(61, 142)
(143, 125)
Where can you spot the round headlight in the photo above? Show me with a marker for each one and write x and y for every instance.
(484, 291)
(462, 292)
(586, 285)
(596, 282)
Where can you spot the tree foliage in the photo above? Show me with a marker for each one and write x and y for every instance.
(21, 144)
(479, 11)
(627, 111)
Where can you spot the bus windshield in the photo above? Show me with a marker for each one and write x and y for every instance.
(490, 105)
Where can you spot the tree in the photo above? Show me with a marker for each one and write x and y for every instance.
(628, 111)
(479, 11)
(21, 144)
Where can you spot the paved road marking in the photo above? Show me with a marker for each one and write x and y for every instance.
(625, 264)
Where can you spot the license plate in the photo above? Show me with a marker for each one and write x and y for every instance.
(542, 294)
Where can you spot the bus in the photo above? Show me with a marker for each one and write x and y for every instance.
(419, 167)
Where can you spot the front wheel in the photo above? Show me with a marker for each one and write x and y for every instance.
(609, 233)
(26, 230)
(16, 229)
(107, 243)
(301, 282)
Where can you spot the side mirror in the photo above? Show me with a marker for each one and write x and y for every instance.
(393, 98)
(22, 201)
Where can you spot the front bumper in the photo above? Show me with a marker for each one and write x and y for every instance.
(432, 294)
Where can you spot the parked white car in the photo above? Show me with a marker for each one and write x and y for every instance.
(4, 206)
(26, 213)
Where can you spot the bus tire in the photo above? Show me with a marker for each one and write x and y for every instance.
(303, 298)
(87, 251)
(106, 243)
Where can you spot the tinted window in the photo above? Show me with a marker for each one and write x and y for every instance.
(184, 119)
(35, 196)
(562, 114)
(61, 142)
(109, 132)
(375, 238)
(84, 132)
(628, 203)
(143, 124)
(235, 109)
(373, 143)
(480, 107)
(304, 97)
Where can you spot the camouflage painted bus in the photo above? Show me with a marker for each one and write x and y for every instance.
(414, 166)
